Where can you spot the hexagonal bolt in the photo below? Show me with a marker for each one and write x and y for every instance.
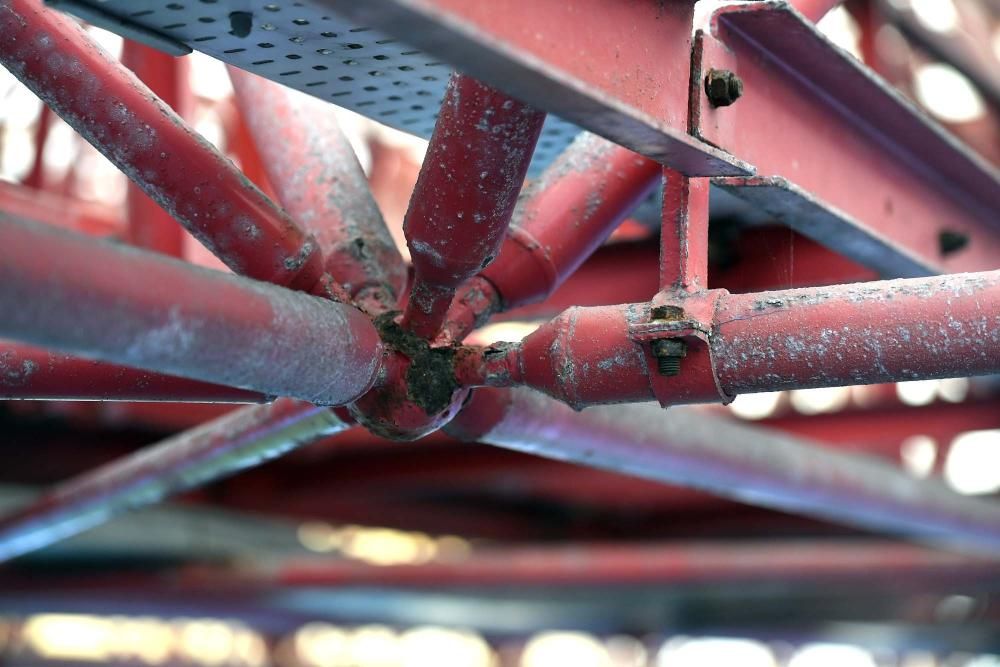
(668, 353)
(723, 87)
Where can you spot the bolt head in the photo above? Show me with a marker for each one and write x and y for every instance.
(723, 87)
(669, 347)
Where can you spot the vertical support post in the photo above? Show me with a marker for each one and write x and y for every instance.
(684, 235)
(149, 226)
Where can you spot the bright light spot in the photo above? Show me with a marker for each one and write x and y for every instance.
(712, 652)
(936, 15)
(947, 93)
(841, 28)
(953, 390)
(973, 462)
(18, 152)
(756, 406)
(250, 648)
(320, 645)
(626, 651)
(69, 637)
(206, 641)
(208, 124)
(385, 546)
(984, 661)
(954, 608)
(149, 639)
(441, 647)
(209, 78)
(831, 655)
(996, 43)
(821, 399)
(502, 331)
(917, 392)
(565, 648)
(374, 646)
(919, 659)
(919, 453)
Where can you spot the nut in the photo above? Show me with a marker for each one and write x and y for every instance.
(668, 353)
(723, 87)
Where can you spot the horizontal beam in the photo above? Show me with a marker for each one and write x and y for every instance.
(819, 122)
(862, 333)
(543, 53)
(100, 300)
(745, 463)
(31, 373)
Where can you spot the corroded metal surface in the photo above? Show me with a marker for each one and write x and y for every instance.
(750, 464)
(240, 440)
(181, 171)
(36, 374)
(114, 303)
(465, 194)
(943, 326)
(319, 181)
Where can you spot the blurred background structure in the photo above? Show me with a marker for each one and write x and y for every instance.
(360, 551)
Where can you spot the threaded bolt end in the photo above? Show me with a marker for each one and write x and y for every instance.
(669, 366)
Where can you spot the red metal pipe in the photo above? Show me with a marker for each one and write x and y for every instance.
(865, 333)
(888, 331)
(566, 214)
(144, 138)
(746, 463)
(93, 298)
(239, 440)
(320, 183)
(582, 565)
(588, 189)
(149, 225)
(468, 185)
(35, 374)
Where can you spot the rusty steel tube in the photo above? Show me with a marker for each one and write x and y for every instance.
(313, 168)
(465, 194)
(105, 102)
(123, 305)
(863, 333)
(685, 446)
(589, 188)
(221, 447)
(32, 373)
(562, 217)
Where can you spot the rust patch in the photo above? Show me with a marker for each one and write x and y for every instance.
(430, 379)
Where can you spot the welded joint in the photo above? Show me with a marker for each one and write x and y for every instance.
(677, 316)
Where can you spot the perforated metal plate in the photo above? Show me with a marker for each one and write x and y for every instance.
(306, 47)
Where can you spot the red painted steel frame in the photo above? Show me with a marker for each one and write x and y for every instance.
(195, 183)
(149, 225)
(473, 171)
(236, 441)
(920, 328)
(118, 304)
(33, 373)
(318, 179)
(730, 460)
